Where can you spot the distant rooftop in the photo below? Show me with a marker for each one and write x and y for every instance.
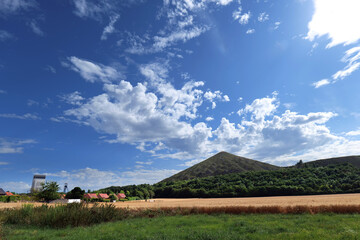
(40, 176)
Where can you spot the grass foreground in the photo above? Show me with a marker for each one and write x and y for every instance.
(217, 226)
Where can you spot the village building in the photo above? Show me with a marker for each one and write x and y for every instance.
(121, 196)
(103, 196)
(90, 196)
(2, 192)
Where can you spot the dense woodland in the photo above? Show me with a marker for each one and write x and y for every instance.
(299, 180)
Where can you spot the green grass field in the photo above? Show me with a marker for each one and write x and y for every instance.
(223, 226)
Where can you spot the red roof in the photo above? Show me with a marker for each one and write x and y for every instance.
(90, 195)
(103, 195)
(8, 194)
(121, 195)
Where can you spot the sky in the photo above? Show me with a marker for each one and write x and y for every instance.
(100, 93)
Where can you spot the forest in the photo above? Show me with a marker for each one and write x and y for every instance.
(301, 179)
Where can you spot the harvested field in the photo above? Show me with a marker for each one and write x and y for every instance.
(283, 201)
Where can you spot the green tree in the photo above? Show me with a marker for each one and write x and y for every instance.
(113, 197)
(76, 193)
(49, 191)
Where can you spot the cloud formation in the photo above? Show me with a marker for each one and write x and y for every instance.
(157, 118)
(8, 7)
(337, 20)
(92, 72)
(13, 146)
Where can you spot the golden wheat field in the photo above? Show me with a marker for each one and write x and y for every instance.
(283, 201)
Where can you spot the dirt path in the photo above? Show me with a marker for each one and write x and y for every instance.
(314, 200)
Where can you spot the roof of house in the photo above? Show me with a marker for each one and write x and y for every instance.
(9, 194)
(2, 192)
(121, 195)
(103, 195)
(91, 195)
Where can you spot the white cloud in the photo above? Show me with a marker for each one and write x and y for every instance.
(18, 187)
(26, 116)
(93, 72)
(352, 57)
(353, 133)
(263, 17)
(35, 28)
(50, 69)
(2, 91)
(89, 9)
(321, 83)
(336, 19)
(217, 95)
(208, 119)
(109, 28)
(261, 108)
(277, 25)
(250, 31)
(13, 146)
(31, 102)
(4, 35)
(144, 163)
(4, 163)
(156, 117)
(223, 2)
(162, 42)
(14, 6)
(244, 19)
(94, 179)
(72, 98)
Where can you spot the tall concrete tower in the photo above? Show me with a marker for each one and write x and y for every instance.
(37, 182)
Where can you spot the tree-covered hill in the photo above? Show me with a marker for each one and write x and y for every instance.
(219, 164)
(341, 178)
(354, 160)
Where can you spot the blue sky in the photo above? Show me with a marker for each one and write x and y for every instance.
(97, 93)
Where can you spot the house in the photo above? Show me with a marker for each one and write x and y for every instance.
(103, 196)
(9, 194)
(2, 192)
(90, 195)
(121, 196)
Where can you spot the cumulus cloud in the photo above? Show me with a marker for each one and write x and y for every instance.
(337, 21)
(208, 119)
(92, 72)
(158, 118)
(13, 146)
(216, 96)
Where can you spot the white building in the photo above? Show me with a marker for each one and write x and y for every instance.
(37, 183)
